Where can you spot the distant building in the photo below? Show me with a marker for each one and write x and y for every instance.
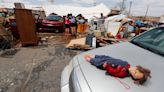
(148, 18)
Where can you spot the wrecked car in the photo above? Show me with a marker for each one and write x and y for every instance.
(53, 23)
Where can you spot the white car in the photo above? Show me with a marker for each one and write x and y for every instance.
(146, 50)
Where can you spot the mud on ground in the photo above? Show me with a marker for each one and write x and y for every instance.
(35, 69)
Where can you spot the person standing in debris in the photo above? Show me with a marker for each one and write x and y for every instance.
(73, 25)
(67, 25)
(102, 19)
(80, 22)
(102, 27)
(100, 23)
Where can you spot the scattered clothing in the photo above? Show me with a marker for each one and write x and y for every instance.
(130, 28)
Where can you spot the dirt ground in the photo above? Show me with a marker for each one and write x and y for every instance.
(35, 69)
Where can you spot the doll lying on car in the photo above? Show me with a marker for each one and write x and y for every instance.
(119, 68)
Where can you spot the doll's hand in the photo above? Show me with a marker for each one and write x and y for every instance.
(105, 64)
(89, 57)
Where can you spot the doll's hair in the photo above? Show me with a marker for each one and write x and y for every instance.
(146, 74)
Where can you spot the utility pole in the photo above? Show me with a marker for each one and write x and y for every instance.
(130, 8)
(122, 6)
(94, 3)
(147, 11)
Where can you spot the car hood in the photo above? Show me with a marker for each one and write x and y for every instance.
(98, 81)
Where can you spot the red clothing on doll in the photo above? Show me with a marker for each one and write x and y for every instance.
(118, 71)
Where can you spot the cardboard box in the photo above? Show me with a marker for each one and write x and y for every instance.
(97, 33)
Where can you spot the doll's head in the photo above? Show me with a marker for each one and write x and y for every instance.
(139, 74)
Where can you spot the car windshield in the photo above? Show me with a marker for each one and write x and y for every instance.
(54, 18)
(152, 40)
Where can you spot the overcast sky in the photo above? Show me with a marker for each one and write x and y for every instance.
(156, 7)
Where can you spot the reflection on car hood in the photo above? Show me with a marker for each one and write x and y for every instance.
(100, 82)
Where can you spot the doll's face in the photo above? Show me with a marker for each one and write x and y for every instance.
(135, 73)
